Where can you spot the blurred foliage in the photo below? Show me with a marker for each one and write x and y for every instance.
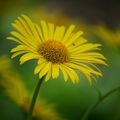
(16, 90)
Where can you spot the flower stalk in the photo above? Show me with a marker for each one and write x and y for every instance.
(34, 98)
(102, 98)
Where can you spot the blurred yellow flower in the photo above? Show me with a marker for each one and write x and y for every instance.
(16, 89)
(56, 49)
(4, 64)
(55, 17)
(107, 35)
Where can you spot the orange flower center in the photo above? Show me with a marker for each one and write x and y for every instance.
(54, 51)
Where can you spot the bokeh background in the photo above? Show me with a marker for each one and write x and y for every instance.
(100, 21)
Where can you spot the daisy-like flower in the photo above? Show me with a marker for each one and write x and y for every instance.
(57, 49)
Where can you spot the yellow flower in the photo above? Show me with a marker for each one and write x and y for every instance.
(56, 48)
(56, 17)
(4, 64)
(110, 37)
(17, 91)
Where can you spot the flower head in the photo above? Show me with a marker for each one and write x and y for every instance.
(110, 37)
(56, 48)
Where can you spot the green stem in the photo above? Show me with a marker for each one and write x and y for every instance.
(35, 94)
(102, 98)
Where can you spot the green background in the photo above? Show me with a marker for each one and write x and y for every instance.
(70, 100)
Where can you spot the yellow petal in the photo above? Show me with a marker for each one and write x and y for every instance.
(17, 53)
(51, 31)
(91, 70)
(45, 69)
(41, 60)
(89, 55)
(48, 74)
(56, 34)
(64, 73)
(44, 29)
(28, 56)
(32, 27)
(89, 60)
(85, 48)
(61, 32)
(68, 33)
(55, 70)
(21, 48)
(27, 34)
(72, 74)
(21, 38)
(74, 37)
(39, 67)
(14, 39)
(30, 38)
(39, 32)
(84, 69)
(80, 41)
